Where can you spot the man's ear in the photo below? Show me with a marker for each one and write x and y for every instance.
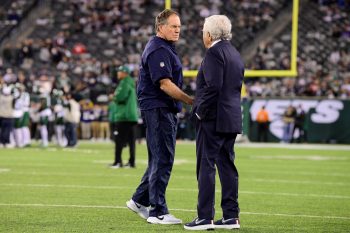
(209, 36)
(160, 27)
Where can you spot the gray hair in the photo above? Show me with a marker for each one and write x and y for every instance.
(162, 18)
(219, 27)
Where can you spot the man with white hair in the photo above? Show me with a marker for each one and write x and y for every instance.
(217, 110)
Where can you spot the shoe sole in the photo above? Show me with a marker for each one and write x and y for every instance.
(156, 221)
(208, 227)
(135, 210)
(229, 227)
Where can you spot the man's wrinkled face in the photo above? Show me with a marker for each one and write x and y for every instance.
(171, 30)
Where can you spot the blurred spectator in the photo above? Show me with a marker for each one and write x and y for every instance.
(44, 115)
(104, 123)
(7, 120)
(86, 118)
(21, 113)
(95, 124)
(59, 112)
(126, 117)
(299, 125)
(9, 76)
(289, 121)
(263, 120)
(72, 119)
(79, 48)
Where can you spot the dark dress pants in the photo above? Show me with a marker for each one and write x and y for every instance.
(161, 138)
(216, 149)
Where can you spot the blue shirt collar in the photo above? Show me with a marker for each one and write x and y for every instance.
(169, 43)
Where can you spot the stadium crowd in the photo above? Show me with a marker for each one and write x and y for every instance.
(323, 55)
(11, 13)
(75, 50)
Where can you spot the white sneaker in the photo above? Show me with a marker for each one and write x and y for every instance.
(164, 219)
(9, 146)
(115, 166)
(141, 210)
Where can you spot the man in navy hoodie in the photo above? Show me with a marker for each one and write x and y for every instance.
(160, 98)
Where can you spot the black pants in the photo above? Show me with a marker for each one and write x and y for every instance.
(124, 135)
(112, 128)
(215, 150)
(302, 133)
(262, 131)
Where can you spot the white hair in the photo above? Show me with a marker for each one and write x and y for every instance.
(219, 27)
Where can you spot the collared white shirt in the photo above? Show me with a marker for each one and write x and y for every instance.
(215, 42)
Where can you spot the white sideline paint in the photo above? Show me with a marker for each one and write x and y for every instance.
(4, 170)
(295, 146)
(311, 182)
(70, 150)
(300, 173)
(103, 161)
(251, 144)
(174, 177)
(173, 189)
(302, 182)
(145, 162)
(180, 210)
(298, 157)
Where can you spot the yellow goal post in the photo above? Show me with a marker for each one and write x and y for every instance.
(269, 73)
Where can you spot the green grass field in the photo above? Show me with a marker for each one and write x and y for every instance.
(282, 189)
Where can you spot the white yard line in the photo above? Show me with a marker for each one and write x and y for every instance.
(2, 170)
(180, 210)
(294, 146)
(68, 150)
(341, 147)
(299, 157)
(173, 189)
(304, 173)
(308, 182)
(297, 195)
(174, 176)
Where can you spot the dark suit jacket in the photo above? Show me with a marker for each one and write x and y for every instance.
(219, 83)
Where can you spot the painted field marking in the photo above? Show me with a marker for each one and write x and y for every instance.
(308, 182)
(299, 157)
(145, 162)
(173, 189)
(180, 210)
(174, 176)
(294, 146)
